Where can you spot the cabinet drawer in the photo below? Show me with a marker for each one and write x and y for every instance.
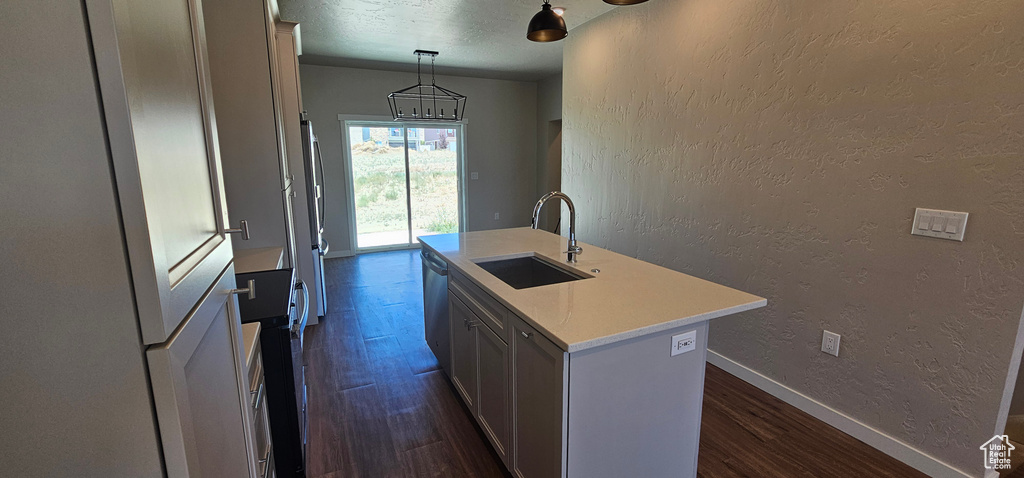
(261, 426)
(261, 418)
(490, 311)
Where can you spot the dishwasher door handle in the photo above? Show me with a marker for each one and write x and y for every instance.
(434, 266)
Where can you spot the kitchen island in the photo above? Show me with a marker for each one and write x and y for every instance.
(599, 373)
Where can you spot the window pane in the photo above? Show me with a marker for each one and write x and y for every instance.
(434, 182)
(378, 174)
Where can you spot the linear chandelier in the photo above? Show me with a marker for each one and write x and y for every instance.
(426, 102)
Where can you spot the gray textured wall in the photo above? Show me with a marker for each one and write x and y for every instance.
(501, 141)
(549, 145)
(781, 148)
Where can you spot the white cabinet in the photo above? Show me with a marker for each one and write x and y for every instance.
(124, 359)
(493, 397)
(463, 356)
(538, 374)
(196, 378)
(480, 366)
(259, 434)
(244, 81)
(287, 40)
(151, 63)
(515, 389)
(153, 77)
(625, 408)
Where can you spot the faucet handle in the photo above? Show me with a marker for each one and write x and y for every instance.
(574, 250)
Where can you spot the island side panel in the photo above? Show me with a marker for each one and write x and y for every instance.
(634, 410)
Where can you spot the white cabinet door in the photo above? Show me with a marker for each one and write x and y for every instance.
(493, 409)
(538, 384)
(199, 391)
(152, 67)
(463, 356)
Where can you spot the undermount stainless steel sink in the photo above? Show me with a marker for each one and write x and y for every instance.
(528, 271)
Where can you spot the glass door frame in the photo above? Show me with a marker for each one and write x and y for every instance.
(348, 121)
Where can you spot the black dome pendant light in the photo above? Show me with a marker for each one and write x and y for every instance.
(624, 2)
(546, 25)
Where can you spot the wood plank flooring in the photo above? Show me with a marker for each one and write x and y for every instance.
(380, 407)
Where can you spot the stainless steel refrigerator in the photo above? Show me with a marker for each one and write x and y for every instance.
(314, 179)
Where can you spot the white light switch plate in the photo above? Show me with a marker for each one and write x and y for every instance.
(940, 224)
(684, 342)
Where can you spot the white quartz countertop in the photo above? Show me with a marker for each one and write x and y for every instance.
(628, 298)
(250, 337)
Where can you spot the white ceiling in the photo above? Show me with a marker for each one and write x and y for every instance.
(485, 38)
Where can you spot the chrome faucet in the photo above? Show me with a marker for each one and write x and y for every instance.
(574, 250)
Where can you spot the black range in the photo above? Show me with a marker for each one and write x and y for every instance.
(283, 325)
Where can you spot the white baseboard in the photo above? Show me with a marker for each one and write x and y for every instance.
(336, 254)
(913, 457)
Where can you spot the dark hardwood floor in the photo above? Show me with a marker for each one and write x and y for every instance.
(379, 406)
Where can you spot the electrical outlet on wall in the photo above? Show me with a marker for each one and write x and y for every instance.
(496, 216)
(473, 176)
(830, 343)
(684, 342)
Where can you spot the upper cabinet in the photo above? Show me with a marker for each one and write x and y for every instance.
(240, 36)
(157, 100)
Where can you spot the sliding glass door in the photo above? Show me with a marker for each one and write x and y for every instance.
(405, 181)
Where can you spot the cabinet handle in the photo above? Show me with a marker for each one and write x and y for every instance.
(243, 229)
(526, 335)
(265, 461)
(257, 396)
(250, 291)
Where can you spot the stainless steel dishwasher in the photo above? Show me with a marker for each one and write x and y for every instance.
(435, 307)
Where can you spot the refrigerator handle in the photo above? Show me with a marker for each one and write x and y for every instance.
(296, 327)
(320, 187)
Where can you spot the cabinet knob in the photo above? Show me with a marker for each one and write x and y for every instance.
(526, 335)
(250, 291)
(243, 229)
